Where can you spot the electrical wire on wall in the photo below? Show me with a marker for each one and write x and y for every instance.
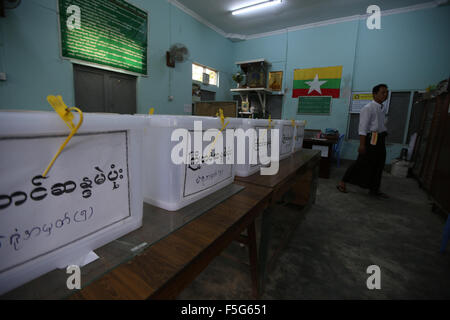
(283, 99)
(2, 50)
(353, 72)
(356, 50)
(169, 96)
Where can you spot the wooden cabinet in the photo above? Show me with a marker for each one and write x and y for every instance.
(326, 159)
(211, 108)
(440, 187)
(432, 150)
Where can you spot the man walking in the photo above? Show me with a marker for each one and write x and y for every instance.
(366, 172)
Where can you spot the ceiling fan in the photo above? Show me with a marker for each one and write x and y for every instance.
(177, 53)
(8, 4)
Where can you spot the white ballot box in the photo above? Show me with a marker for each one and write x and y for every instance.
(286, 137)
(251, 146)
(91, 196)
(299, 134)
(171, 184)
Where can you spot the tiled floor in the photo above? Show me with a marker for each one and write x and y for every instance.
(343, 234)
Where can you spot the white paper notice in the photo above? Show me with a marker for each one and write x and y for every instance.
(264, 140)
(86, 190)
(201, 176)
(188, 108)
(360, 99)
(299, 138)
(323, 150)
(287, 139)
(82, 261)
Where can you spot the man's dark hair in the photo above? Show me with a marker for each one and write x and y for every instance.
(378, 87)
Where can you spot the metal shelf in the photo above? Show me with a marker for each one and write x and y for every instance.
(261, 92)
(265, 90)
(253, 61)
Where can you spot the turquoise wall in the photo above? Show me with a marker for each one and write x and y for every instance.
(315, 47)
(30, 56)
(206, 47)
(409, 52)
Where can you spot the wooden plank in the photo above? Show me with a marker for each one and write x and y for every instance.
(287, 168)
(173, 287)
(211, 108)
(299, 174)
(253, 258)
(302, 189)
(440, 185)
(164, 269)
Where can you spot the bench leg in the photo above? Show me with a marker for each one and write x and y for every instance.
(253, 257)
(445, 235)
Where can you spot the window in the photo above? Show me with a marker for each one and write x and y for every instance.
(198, 71)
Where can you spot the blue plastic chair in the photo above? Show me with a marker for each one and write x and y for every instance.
(445, 235)
(337, 150)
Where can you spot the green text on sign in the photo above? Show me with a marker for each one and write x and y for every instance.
(107, 32)
(314, 105)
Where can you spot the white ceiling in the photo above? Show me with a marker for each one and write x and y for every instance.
(290, 13)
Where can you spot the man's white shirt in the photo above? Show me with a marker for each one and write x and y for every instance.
(372, 118)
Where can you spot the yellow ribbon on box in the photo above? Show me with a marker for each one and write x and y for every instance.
(67, 116)
(293, 124)
(224, 125)
(222, 119)
(269, 126)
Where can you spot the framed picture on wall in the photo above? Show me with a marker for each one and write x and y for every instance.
(276, 80)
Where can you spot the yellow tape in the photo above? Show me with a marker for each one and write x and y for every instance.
(67, 116)
(222, 120)
(224, 125)
(293, 125)
(61, 109)
(268, 128)
(151, 111)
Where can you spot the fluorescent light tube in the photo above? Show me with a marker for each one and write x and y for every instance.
(256, 6)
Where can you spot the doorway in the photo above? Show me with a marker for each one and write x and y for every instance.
(98, 90)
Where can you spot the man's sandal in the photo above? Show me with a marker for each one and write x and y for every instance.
(341, 189)
(379, 194)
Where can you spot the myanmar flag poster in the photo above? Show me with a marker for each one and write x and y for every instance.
(317, 82)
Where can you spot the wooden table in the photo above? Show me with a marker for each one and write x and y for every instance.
(164, 269)
(298, 175)
(325, 162)
(290, 176)
(167, 267)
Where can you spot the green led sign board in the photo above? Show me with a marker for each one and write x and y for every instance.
(107, 32)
